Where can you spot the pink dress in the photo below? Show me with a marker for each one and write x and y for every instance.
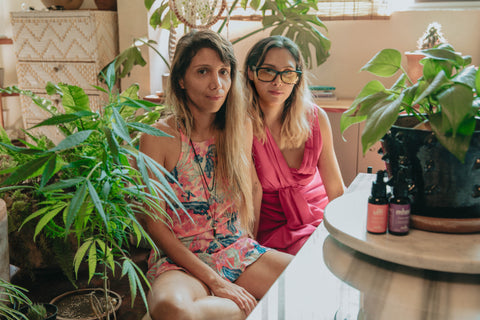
(212, 231)
(293, 199)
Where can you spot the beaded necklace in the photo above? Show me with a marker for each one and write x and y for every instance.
(211, 189)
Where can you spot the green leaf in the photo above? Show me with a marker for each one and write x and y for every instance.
(456, 102)
(126, 60)
(119, 126)
(467, 77)
(54, 210)
(385, 63)
(81, 252)
(382, 117)
(131, 92)
(49, 170)
(112, 144)
(142, 127)
(72, 141)
(64, 118)
(26, 171)
(75, 205)
(444, 54)
(34, 215)
(97, 202)
(92, 260)
(439, 81)
(109, 76)
(107, 253)
(21, 150)
(74, 98)
(62, 184)
(457, 145)
(132, 270)
(148, 3)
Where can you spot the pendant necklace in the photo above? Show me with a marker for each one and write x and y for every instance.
(210, 189)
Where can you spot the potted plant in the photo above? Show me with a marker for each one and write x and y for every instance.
(442, 163)
(431, 38)
(12, 297)
(95, 185)
(40, 311)
(297, 20)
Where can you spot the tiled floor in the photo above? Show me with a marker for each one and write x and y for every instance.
(48, 284)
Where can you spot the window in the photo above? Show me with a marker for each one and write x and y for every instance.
(329, 10)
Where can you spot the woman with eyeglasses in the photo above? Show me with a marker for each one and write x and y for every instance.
(292, 148)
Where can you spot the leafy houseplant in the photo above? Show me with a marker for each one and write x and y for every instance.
(40, 311)
(445, 97)
(88, 185)
(294, 19)
(445, 102)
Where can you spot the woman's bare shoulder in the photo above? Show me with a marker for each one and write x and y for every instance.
(167, 125)
(322, 116)
(156, 146)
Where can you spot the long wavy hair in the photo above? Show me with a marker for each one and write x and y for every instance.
(296, 115)
(232, 161)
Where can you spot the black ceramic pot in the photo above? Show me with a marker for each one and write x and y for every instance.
(51, 311)
(440, 185)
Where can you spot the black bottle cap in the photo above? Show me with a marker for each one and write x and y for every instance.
(379, 187)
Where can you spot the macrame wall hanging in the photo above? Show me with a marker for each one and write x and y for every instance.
(195, 14)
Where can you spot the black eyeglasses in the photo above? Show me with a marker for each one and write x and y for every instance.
(269, 75)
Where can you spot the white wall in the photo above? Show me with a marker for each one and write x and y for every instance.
(353, 44)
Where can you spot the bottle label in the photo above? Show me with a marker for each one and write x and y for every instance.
(399, 218)
(377, 218)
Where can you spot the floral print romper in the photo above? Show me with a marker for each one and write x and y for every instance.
(212, 231)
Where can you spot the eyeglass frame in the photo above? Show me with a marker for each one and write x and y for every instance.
(281, 73)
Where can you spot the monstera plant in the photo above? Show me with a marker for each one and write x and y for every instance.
(294, 19)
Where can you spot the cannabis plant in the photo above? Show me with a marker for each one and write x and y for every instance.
(95, 185)
(11, 298)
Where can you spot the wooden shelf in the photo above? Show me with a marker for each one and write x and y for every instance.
(3, 94)
(6, 41)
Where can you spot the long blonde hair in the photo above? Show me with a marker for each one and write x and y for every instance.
(233, 161)
(299, 106)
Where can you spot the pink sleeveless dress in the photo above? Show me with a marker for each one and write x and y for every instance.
(293, 199)
(212, 232)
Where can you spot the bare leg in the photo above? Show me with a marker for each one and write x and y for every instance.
(260, 275)
(176, 295)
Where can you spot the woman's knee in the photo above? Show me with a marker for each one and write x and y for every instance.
(169, 306)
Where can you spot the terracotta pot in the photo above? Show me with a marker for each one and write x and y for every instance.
(65, 4)
(441, 186)
(110, 5)
(414, 67)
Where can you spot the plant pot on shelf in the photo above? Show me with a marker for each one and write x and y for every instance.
(63, 4)
(414, 67)
(78, 304)
(110, 5)
(445, 193)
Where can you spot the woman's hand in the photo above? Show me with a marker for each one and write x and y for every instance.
(244, 300)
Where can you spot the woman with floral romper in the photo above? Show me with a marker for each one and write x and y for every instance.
(209, 267)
